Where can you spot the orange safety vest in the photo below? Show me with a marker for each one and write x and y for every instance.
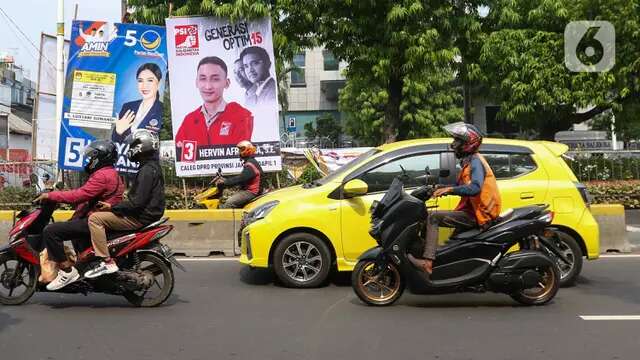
(486, 205)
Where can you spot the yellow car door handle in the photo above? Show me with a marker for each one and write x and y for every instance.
(526, 195)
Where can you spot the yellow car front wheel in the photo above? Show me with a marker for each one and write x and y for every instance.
(302, 260)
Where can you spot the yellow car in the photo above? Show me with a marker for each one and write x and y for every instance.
(305, 232)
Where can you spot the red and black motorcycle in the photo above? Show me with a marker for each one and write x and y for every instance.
(145, 277)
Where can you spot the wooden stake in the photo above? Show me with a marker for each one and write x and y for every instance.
(184, 187)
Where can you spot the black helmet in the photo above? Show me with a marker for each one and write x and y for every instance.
(142, 144)
(100, 153)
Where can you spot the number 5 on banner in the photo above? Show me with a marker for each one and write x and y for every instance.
(130, 38)
(189, 151)
(73, 151)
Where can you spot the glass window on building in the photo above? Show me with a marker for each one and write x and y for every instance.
(297, 74)
(330, 61)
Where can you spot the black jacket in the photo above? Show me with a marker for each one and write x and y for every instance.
(145, 201)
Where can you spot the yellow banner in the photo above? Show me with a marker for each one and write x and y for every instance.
(94, 77)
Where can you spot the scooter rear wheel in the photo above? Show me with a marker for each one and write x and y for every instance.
(544, 292)
(380, 289)
(162, 281)
(18, 280)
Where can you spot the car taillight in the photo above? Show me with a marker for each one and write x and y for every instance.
(582, 189)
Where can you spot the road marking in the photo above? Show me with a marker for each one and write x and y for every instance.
(207, 259)
(620, 256)
(609, 317)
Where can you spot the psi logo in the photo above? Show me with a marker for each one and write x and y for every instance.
(589, 46)
(186, 40)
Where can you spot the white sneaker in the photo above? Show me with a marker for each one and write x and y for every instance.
(63, 279)
(102, 269)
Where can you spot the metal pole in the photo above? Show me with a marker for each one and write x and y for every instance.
(123, 10)
(59, 69)
(36, 105)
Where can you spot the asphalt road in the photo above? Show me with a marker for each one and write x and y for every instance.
(221, 310)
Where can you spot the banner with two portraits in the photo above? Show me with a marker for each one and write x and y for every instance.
(223, 91)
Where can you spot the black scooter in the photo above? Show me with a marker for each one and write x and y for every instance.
(472, 261)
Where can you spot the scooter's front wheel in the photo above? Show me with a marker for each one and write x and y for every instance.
(377, 287)
(18, 280)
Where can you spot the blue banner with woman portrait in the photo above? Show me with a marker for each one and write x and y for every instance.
(115, 81)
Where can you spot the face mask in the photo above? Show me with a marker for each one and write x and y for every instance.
(457, 146)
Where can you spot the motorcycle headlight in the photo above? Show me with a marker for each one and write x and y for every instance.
(261, 211)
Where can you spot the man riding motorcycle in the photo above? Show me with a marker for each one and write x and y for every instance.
(480, 199)
(144, 204)
(103, 185)
(249, 180)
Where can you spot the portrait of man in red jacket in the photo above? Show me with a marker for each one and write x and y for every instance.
(215, 122)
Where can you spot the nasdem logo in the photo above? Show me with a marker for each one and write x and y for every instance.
(150, 40)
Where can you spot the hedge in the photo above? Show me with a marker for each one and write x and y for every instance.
(626, 193)
(18, 198)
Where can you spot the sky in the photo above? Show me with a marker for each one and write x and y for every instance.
(36, 16)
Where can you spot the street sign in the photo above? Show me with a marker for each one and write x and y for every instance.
(291, 124)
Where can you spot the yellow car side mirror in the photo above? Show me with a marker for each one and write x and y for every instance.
(355, 187)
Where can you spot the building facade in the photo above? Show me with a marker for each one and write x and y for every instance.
(312, 92)
(17, 94)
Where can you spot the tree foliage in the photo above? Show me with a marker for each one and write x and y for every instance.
(522, 66)
(326, 129)
(402, 65)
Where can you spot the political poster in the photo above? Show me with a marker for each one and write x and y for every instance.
(115, 81)
(223, 91)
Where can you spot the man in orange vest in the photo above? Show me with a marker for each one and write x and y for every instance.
(480, 199)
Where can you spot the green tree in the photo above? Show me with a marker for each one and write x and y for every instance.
(521, 63)
(402, 65)
(327, 130)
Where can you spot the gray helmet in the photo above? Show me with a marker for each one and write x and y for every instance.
(142, 144)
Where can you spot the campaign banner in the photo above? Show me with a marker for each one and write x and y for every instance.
(115, 82)
(223, 91)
